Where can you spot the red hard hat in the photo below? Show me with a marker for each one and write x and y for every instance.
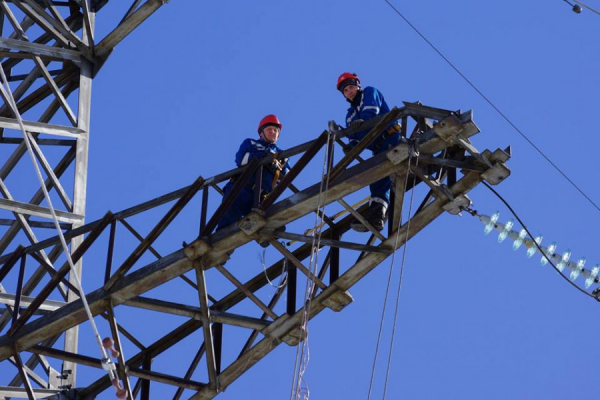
(269, 119)
(344, 77)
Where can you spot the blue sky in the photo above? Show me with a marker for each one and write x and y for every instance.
(476, 319)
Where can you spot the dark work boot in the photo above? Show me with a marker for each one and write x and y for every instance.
(375, 215)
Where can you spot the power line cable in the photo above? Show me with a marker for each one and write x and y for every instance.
(536, 243)
(576, 8)
(494, 106)
(588, 7)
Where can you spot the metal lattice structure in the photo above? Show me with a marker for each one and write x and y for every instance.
(50, 57)
(439, 158)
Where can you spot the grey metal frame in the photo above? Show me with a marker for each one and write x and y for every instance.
(63, 59)
(36, 329)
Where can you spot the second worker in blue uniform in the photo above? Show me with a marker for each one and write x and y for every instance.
(366, 104)
(269, 129)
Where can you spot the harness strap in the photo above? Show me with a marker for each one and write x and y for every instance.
(387, 133)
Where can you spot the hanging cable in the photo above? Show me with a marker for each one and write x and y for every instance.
(262, 256)
(387, 289)
(300, 390)
(404, 250)
(536, 243)
(373, 368)
(107, 363)
(564, 175)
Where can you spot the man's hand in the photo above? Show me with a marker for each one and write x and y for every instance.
(356, 124)
(278, 165)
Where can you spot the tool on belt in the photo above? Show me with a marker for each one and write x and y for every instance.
(278, 165)
(387, 133)
(275, 167)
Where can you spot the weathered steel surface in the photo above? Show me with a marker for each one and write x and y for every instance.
(58, 40)
(126, 288)
(346, 281)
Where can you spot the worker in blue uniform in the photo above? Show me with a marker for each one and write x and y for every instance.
(269, 129)
(366, 104)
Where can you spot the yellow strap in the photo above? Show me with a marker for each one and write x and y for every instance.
(275, 178)
(277, 171)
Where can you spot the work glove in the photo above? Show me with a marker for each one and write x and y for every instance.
(356, 124)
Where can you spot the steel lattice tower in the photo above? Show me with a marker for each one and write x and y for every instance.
(50, 56)
(53, 43)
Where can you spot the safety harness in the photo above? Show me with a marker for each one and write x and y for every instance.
(386, 134)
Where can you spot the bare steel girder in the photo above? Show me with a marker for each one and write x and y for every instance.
(221, 296)
(50, 56)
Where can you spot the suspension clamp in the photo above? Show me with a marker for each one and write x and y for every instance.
(460, 203)
(596, 294)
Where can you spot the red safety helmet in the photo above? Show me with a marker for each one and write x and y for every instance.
(347, 76)
(270, 119)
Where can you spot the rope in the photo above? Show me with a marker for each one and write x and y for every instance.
(387, 372)
(390, 279)
(282, 277)
(108, 365)
(333, 218)
(300, 390)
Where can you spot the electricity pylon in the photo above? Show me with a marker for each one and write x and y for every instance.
(437, 155)
(50, 57)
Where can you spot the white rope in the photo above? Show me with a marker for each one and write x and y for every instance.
(300, 390)
(390, 279)
(108, 365)
(387, 372)
(282, 277)
(387, 289)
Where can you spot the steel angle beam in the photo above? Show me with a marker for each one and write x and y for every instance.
(354, 274)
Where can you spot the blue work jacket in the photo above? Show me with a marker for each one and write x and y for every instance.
(258, 148)
(368, 104)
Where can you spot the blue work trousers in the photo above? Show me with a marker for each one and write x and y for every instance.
(240, 207)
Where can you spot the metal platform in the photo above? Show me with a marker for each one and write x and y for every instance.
(447, 165)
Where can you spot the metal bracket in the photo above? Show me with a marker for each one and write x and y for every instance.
(196, 249)
(398, 154)
(449, 128)
(498, 171)
(252, 222)
(291, 338)
(459, 203)
(338, 300)
(496, 174)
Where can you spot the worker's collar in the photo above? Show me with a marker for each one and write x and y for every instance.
(260, 139)
(357, 98)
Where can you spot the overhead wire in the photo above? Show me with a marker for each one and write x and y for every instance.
(564, 175)
(586, 6)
